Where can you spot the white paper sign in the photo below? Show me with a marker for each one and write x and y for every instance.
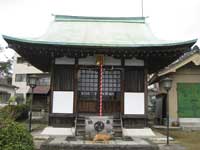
(65, 61)
(134, 62)
(63, 101)
(89, 60)
(112, 61)
(133, 103)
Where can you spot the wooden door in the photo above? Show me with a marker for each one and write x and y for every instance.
(188, 100)
(111, 91)
(88, 82)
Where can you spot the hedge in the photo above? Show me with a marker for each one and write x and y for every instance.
(13, 136)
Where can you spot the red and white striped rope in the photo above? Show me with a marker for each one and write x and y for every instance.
(100, 90)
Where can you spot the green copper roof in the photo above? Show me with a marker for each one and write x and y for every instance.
(99, 31)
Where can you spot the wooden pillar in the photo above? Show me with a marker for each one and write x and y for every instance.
(122, 85)
(52, 74)
(75, 87)
(146, 90)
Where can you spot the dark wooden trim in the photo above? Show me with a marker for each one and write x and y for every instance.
(75, 86)
(95, 66)
(134, 67)
(63, 90)
(61, 115)
(134, 116)
(62, 120)
(122, 85)
(64, 65)
(63, 77)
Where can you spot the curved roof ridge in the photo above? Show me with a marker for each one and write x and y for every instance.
(99, 19)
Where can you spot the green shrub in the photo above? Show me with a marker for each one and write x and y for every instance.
(14, 136)
(22, 111)
(14, 112)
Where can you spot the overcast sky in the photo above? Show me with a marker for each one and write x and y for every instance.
(169, 19)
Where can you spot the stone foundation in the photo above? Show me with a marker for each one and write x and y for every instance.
(62, 144)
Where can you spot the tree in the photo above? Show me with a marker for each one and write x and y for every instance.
(5, 66)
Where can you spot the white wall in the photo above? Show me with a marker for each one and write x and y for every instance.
(7, 89)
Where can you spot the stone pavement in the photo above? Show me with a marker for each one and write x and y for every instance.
(147, 134)
(171, 147)
(60, 143)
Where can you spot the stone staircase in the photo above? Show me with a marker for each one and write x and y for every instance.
(80, 126)
(118, 126)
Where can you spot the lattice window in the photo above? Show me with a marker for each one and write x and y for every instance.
(111, 84)
(88, 84)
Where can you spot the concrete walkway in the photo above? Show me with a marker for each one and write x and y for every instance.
(52, 131)
(144, 132)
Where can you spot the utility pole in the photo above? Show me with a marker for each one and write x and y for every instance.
(142, 8)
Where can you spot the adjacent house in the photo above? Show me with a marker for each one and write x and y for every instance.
(6, 90)
(184, 96)
(21, 69)
(98, 66)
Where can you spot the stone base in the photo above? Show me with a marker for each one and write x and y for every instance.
(62, 144)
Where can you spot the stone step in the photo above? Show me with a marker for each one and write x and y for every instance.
(80, 124)
(80, 132)
(191, 128)
(117, 126)
(117, 130)
(190, 124)
(116, 119)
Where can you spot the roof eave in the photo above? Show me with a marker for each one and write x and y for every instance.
(30, 41)
(171, 69)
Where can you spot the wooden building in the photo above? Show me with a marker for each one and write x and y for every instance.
(98, 65)
(184, 96)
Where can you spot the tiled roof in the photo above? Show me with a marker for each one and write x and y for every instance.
(99, 31)
(181, 61)
(40, 90)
